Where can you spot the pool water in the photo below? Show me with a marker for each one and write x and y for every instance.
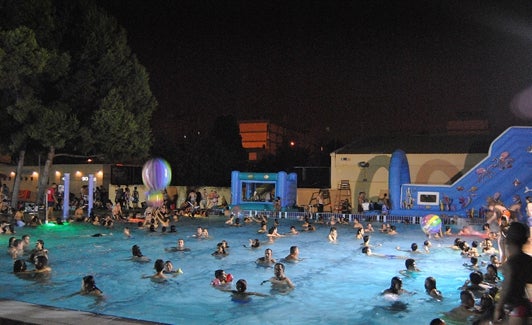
(335, 283)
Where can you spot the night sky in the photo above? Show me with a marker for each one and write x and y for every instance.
(333, 68)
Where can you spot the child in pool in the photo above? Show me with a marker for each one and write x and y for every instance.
(240, 294)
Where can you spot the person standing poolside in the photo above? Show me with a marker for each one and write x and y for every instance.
(517, 283)
(279, 281)
(267, 259)
(51, 201)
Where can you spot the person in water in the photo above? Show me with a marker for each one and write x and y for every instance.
(267, 259)
(430, 288)
(221, 279)
(293, 256)
(180, 247)
(279, 281)
(169, 269)
(159, 272)
(241, 294)
(396, 287)
(137, 255)
(367, 250)
(88, 287)
(466, 308)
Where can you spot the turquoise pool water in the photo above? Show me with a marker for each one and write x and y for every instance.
(335, 283)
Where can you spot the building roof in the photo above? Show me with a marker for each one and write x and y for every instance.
(434, 143)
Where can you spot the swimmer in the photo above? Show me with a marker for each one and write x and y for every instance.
(367, 250)
(411, 267)
(293, 231)
(473, 265)
(293, 256)
(396, 287)
(199, 232)
(88, 287)
(430, 288)
(26, 241)
(437, 321)
(240, 294)
(392, 231)
(253, 243)
(179, 248)
(17, 249)
(426, 246)
(369, 228)
(466, 308)
(333, 235)
(263, 227)
(475, 284)
(360, 233)
(221, 279)
(137, 255)
(220, 251)
(279, 281)
(413, 249)
(126, 232)
(492, 275)
(267, 259)
(169, 269)
(41, 265)
(19, 266)
(159, 272)
(357, 224)
(39, 250)
(448, 231)
(272, 233)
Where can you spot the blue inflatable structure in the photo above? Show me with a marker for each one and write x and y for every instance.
(258, 191)
(505, 173)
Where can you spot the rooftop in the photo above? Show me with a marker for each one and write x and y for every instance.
(422, 143)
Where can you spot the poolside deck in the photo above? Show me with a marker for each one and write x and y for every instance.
(18, 313)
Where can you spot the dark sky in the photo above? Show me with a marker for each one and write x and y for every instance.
(351, 67)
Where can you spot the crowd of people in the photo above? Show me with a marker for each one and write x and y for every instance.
(498, 287)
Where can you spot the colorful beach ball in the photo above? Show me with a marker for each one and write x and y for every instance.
(431, 224)
(155, 199)
(156, 174)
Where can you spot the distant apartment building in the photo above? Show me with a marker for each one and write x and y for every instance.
(262, 137)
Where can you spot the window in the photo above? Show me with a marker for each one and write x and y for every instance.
(428, 198)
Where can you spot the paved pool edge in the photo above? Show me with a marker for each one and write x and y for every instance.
(17, 312)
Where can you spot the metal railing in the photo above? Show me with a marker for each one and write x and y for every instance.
(363, 217)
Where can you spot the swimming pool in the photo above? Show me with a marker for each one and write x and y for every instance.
(335, 283)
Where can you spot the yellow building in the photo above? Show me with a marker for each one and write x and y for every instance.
(433, 159)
